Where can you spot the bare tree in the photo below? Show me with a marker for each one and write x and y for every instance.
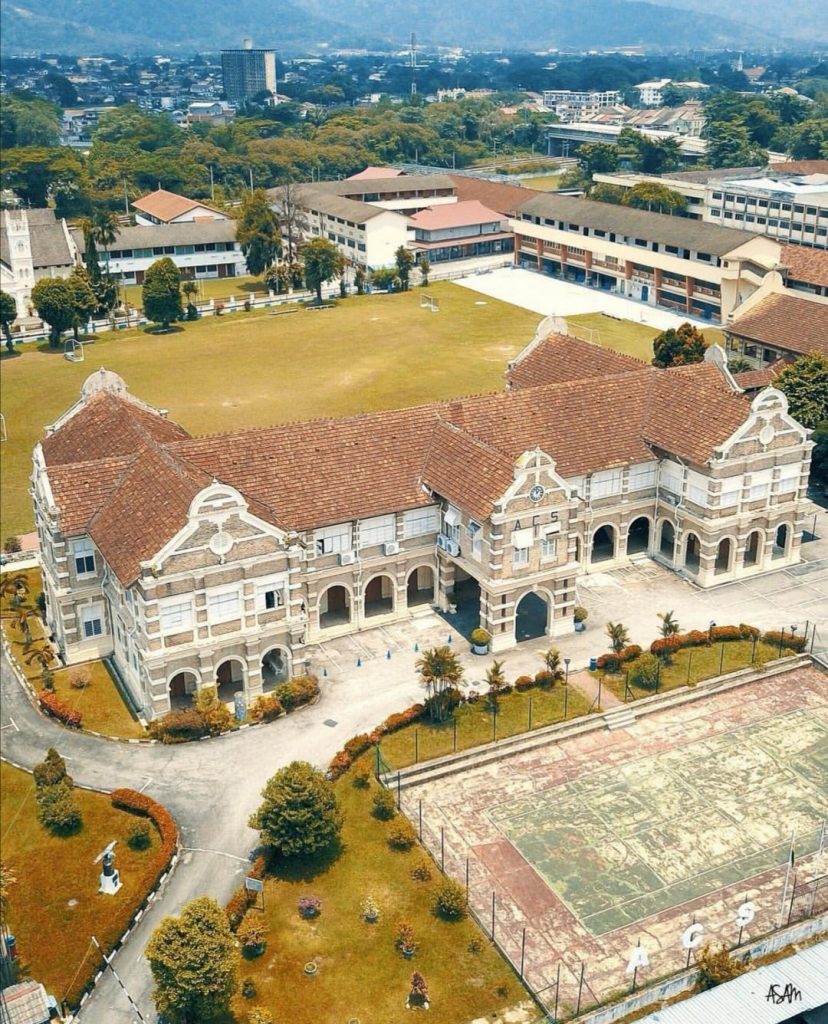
(293, 220)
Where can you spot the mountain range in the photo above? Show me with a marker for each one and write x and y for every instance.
(84, 26)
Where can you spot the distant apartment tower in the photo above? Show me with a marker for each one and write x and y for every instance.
(579, 106)
(247, 72)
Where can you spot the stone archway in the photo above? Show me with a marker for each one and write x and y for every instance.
(724, 556)
(229, 679)
(604, 544)
(183, 687)
(334, 607)
(781, 541)
(692, 553)
(753, 548)
(378, 596)
(638, 536)
(275, 668)
(419, 587)
(531, 617)
(667, 543)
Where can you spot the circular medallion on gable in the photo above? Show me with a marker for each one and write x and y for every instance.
(220, 543)
(766, 434)
(537, 493)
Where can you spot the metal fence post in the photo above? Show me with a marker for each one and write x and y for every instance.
(416, 746)
(566, 700)
(689, 663)
(522, 953)
(421, 820)
(721, 660)
(467, 881)
(455, 736)
(529, 726)
(442, 849)
(493, 914)
(399, 802)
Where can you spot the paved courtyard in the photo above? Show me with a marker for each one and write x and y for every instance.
(601, 840)
(553, 297)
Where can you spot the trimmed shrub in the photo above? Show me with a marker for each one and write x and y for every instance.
(665, 646)
(450, 900)
(51, 771)
(357, 745)
(266, 708)
(721, 634)
(579, 613)
(214, 711)
(180, 726)
(791, 641)
(421, 872)
(608, 663)
(252, 933)
(481, 637)
(629, 653)
(139, 836)
(339, 765)
(299, 691)
(544, 679)
(401, 719)
(361, 779)
(385, 806)
(402, 836)
(645, 672)
(79, 679)
(237, 907)
(140, 803)
(717, 966)
(58, 809)
(749, 632)
(54, 706)
(12, 546)
(405, 941)
(524, 683)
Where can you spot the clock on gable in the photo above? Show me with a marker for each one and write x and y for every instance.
(537, 493)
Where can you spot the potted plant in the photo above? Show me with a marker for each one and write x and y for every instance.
(309, 906)
(580, 615)
(480, 640)
(405, 941)
(418, 996)
(370, 910)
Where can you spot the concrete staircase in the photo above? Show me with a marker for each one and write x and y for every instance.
(620, 718)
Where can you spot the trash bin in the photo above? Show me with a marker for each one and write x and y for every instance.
(593, 664)
(240, 706)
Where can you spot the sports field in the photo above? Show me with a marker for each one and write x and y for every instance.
(602, 839)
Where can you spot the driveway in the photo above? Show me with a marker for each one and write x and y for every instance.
(213, 786)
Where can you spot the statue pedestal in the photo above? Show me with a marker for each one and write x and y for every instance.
(110, 884)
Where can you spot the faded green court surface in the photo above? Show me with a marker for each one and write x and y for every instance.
(626, 842)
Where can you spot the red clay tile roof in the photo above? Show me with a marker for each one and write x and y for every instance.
(107, 426)
(802, 166)
(806, 264)
(166, 206)
(467, 212)
(753, 380)
(563, 357)
(301, 476)
(372, 173)
(497, 195)
(789, 323)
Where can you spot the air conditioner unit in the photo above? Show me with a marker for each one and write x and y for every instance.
(671, 499)
(448, 545)
(347, 557)
(391, 548)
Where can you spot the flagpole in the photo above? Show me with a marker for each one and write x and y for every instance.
(791, 856)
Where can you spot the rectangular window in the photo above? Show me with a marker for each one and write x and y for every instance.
(379, 530)
(84, 554)
(520, 556)
(92, 621)
(223, 607)
(788, 479)
(549, 548)
(729, 497)
(606, 482)
(670, 477)
(269, 596)
(643, 475)
(419, 521)
(332, 539)
(176, 617)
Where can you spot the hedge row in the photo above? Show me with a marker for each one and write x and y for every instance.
(613, 661)
(139, 803)
(358, 745)
(795, 643)
(59, 709)
(243, 899)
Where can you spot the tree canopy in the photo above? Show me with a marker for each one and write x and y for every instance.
(53, 299)
(805, 385)
(161, 294)
(8, 314)
(678, 346)
(300, 814)
(257, 231)
(194, 961)
(323, 261)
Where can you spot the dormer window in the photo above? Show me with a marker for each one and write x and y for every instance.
(84, 554)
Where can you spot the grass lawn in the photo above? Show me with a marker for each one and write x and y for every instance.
(627, 336)
(253, 369)
(543, 182)
(360, 973)
(55, 906)
(475, 724)
(694, 664)
(101, 703)
(209, 288)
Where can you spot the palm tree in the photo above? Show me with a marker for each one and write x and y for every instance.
(190, 288)
(439, 670)
(618, 634)
(669, 624)
(496, 680)
(551, 659)
(105, 230)
(41, 656)
(13, 587)
(22, 623)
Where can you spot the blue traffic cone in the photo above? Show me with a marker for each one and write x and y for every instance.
(388, 654)
(449, 638)
(324, 673)
(359, 662)
(416, 648)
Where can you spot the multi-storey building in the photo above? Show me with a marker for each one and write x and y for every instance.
(570, 105)
(163, 207)
(248, 72)
(790, 207)
(33, 244)
(195, 561)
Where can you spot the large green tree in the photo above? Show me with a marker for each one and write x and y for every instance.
(300, 814)
(404, 260)
(257, 231)
(84, 300)
(8, 314)
(730, 145)
(194, 961)
(53, 299)
(323, 261)
(805, 385)
(649, 195)
(678, 346)
(161, 294)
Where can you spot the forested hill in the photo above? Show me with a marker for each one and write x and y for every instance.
(83, 26)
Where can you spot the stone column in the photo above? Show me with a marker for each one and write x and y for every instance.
(688, 291)
(445, 580)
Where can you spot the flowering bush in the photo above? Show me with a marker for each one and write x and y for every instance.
(59, 709)
(79, 679)
(450, 900)
(785, 639)
(252, 933)
(422, 872)
(309, 906)
(385, 806)
(299, 691)
(266, 708)
(405, 941)
(401, 719)
(402, 836)
(179, 726)
(370, 908)
(140, 803)
(524, 683)
(357, 745)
